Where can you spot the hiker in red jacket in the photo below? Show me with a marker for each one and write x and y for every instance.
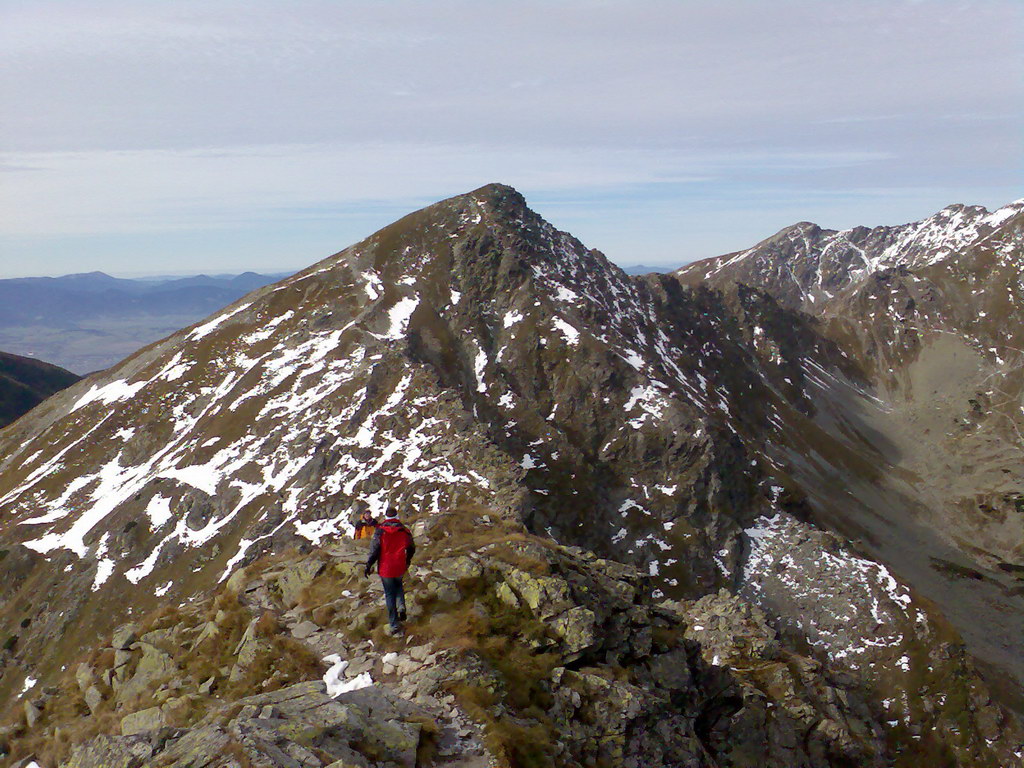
(392, 550)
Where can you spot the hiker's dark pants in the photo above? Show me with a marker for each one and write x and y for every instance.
(394, 599)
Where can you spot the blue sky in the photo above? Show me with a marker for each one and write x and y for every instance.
(182, 137)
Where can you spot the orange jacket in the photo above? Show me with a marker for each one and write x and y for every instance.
(365, 530)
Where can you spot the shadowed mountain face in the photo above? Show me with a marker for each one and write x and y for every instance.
(471, 356)
(931, 313)
(90, 321)
(24, 383)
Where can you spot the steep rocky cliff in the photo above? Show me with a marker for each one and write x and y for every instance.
(930, 478)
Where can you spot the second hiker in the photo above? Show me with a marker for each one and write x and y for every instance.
(366, 526)
(392, 550)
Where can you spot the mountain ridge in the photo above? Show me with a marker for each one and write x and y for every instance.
(25, 382)
(936, 327)
(837, 257)
(471, 356)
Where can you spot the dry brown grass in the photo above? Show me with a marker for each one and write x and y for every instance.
(51, 748)
(101, 658)
(514, 744)
(267, 625)
(502, 636)
(480, 624)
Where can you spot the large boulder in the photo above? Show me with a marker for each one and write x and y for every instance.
(198, 748)
(458, 568)
(154, 667)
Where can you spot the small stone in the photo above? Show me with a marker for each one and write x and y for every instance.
(32, 713)
(304, 629)
(419, 652)
(93, 698)
(356, 667)
(445, 590)
(124, 636)
(83, 676)
(207, 686)
(151, 719)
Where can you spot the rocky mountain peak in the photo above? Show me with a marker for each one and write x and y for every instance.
(806, 266)
(473, 360)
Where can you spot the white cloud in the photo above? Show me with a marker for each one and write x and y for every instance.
(148, 117)
(154, 191)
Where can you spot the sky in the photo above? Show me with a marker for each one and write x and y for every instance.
(181, 137)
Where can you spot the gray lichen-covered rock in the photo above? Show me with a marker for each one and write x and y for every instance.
(544, 595)
(124, 636)
(730, 628)
(198, 748)
(32, 713)
(93, 698)
(458, 568)
(84, 675)
(151, 719)
(294, 579)
(154, 666)
(576, 627)
(111, 752)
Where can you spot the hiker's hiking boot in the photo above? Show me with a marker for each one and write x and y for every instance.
(394, 631)
(401, 614)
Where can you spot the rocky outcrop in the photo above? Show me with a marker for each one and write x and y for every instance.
(517, 651)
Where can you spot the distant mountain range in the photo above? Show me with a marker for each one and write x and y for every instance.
(645, 269)
(87, 322)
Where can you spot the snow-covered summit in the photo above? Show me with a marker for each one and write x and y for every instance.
(806, 265)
